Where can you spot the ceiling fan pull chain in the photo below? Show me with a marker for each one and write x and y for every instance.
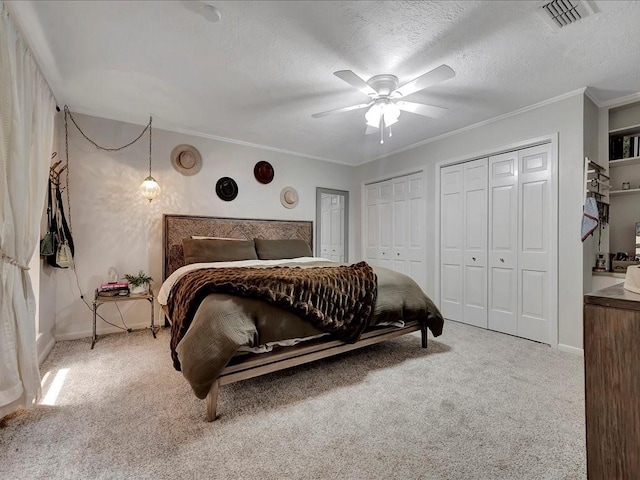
(381, 129)
(390, 133)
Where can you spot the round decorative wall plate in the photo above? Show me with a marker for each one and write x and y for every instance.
(227, 189)
(289, 197)
(263, 172)
(186, 159)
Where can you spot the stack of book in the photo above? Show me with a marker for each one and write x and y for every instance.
(627, 146)
(117, 289)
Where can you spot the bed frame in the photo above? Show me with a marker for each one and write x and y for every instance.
(178, 227)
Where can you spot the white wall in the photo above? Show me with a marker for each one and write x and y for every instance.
(114, 226)
(565, 117)
(591, 149)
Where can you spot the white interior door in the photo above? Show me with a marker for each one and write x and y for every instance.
(451, 242)
(534, 243)
(503, 238)
(333, 235)
(475, 243)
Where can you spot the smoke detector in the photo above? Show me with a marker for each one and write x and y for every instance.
(561, 13)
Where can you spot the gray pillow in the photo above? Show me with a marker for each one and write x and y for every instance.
(277, 249)
(214, 250)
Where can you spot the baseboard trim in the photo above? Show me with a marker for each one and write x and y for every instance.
(45, 352)
(569, 349)
(102, 331)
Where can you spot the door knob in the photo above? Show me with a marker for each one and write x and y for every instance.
(383, 253)
(473, 258)
(502, 260)
(398, 254)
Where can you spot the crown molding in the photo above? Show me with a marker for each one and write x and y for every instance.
(618, 102)
(580, 91)
(160, 125)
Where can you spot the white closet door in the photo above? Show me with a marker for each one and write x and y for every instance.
(534, 204)
(416, 229)
(385, 223)
(503, 248)
(372, 232)
(475, 243)
(451, 246)
(400, 223)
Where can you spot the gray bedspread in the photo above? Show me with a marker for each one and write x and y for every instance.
(224, 323)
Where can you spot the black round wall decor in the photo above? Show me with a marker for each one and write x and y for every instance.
(227, 189)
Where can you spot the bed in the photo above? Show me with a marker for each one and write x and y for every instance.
(246, 297)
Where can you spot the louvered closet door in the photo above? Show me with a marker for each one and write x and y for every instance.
(475, 243)
(451, 246)
(534, 242)
(503, 239)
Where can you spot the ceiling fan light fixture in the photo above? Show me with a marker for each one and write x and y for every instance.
(388, 111)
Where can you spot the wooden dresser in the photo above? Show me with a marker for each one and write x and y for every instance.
(612, 383)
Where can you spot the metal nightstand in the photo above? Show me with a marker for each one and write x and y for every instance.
(99, 300)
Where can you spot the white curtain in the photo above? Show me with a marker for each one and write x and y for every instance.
(27, 111)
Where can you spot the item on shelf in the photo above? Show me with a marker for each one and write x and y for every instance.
(626, 185)
(621, 265)
(119, 288)
(603, 262)
(113, 293)
(112, 275)
(139, 283)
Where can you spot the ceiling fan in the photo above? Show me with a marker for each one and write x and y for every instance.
(385, 97)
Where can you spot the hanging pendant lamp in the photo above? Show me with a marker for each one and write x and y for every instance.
(149, 188)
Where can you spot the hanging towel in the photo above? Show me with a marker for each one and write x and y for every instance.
(589, 217)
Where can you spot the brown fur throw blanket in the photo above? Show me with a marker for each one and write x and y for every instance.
(338, 300)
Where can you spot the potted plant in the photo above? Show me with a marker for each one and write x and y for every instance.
(139, 284)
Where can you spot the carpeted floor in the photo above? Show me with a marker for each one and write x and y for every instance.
(475, 405)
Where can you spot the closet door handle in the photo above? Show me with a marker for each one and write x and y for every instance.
(398, 253)
(502, 260)
(473, 258)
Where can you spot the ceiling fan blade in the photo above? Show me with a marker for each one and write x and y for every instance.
(341, 110)
(355, 81)
(437, 75)
(370, 130)
(422, 109)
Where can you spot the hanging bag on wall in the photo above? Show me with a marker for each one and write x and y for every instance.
(62, 241)
(47, 243)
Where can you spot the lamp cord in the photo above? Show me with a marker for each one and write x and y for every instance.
(114, 149)
(149, 127)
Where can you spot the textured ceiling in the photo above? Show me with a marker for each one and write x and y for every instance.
(257, 75)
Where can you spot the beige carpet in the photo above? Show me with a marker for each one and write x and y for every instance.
(475, 405)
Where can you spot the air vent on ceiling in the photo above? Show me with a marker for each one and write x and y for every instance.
(560, 13)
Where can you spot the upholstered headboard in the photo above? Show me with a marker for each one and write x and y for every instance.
(178, 227)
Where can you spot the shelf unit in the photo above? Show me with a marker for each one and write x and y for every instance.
(624, 192)
(624, 120)
(624, 162)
